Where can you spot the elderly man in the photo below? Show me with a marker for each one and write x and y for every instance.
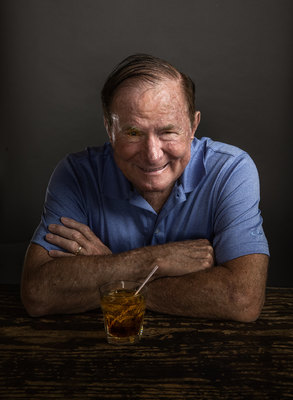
(154, 195)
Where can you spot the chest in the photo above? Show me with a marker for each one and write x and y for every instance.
(124, 226)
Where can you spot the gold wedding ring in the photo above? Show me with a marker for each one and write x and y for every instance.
(78, 251)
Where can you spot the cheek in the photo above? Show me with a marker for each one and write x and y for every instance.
(125, 151)
(179, 150)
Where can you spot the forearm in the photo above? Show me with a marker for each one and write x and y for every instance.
(190, 295)
(217, 293)
(71, 284)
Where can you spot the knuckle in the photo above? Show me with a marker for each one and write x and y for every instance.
(87, 228)
(206, 263)
(76, 236)
(210, 250)
(210, 259)
(207, 247)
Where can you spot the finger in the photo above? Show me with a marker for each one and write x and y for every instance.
(71, 237)
(61, 231)
(84, 229)
(203, 246)
(58, 253)
(66, 244)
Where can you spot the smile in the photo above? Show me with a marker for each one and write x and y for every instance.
(154, 171)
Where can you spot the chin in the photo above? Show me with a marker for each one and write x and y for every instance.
(155, 187)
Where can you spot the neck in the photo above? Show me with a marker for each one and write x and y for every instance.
(156, 199)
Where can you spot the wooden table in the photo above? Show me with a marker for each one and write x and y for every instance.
(67, 357)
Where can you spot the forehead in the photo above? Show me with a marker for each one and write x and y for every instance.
(149, 99)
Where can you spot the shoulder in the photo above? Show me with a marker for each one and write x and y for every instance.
(89, 155)
(228, 166)
(92, 159)
(215, 148)
(87, 165)
(221, 156)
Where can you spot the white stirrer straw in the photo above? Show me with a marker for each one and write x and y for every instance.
(146, 279)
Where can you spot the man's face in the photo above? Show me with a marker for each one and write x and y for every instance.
(151, 134)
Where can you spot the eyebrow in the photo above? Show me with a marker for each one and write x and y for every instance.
(133, 127)
(167, 127)
(130, 127)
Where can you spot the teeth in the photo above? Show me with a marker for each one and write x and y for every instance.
(154, 169)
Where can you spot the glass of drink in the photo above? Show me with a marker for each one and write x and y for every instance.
(123, 311)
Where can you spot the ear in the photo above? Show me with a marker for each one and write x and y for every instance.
(197, 117)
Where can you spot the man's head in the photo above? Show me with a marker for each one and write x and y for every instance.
(150, 122)
(148, 69)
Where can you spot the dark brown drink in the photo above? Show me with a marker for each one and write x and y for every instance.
(123, 315)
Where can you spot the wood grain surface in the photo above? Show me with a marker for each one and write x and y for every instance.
(67, 357)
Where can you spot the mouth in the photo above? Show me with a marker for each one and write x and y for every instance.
(153, 171)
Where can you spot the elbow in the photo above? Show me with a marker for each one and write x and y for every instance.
(248, 315)
(247, 306)
(32, 301)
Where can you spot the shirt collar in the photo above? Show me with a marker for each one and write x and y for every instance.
(195, 169)
(114, 183)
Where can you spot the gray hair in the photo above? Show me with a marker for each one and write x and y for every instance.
(149, 69)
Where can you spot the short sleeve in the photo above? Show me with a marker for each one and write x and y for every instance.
(238, 227)
(63, 199)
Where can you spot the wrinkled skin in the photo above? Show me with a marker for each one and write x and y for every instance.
(151, 136)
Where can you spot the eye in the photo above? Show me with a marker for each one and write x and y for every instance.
(132, 133)
(169, 135)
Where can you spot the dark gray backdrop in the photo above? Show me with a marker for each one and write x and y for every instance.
(57, 53)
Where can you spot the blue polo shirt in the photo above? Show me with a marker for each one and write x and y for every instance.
(216, 198)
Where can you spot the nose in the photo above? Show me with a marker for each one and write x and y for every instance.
(153, 148)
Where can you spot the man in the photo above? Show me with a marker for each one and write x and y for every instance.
(153, 195)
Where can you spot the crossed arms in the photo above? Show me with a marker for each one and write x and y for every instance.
(187, 282)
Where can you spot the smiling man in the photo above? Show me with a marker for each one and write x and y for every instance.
(151, 136)
(154, 195)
